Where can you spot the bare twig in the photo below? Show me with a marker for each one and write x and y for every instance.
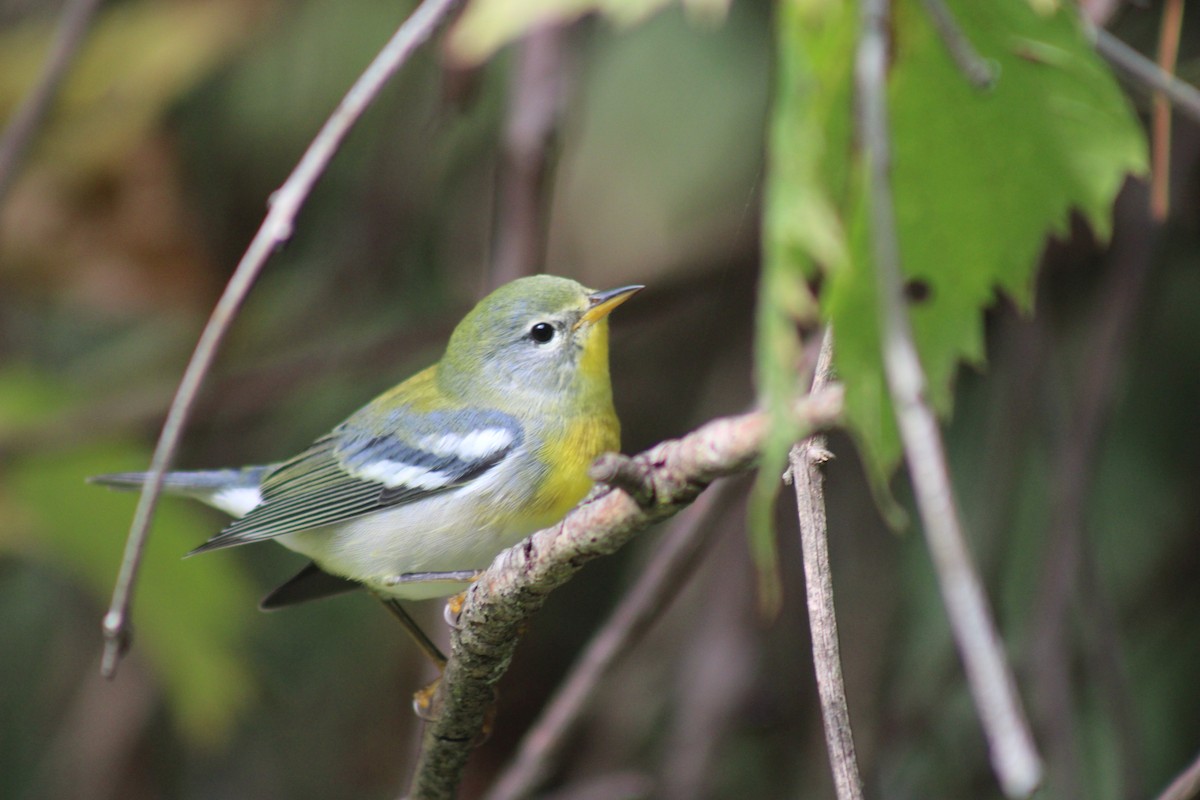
(518, 581)
(1184, 96)
(1014, 758)
(980, 72)
(275, 230)
(536, 96)
(672, 565)
(68, 38)
(1186, 784)
(806, 458)
(1168, 51)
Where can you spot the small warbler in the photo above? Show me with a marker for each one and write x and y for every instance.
(420, 489)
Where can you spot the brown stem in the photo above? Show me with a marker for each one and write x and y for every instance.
(68, 38)
(536, 99)
(806, 459)
(1168, 52)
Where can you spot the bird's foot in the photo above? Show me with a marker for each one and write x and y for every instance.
(427, 705)
(454, 605)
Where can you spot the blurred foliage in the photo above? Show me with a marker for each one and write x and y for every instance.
(53, 518)
(488, 25)
(982, 175)
(138, 60)
(128, 217)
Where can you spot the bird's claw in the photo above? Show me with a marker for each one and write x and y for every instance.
(427, 705)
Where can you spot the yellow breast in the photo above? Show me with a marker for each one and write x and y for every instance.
(568, 458)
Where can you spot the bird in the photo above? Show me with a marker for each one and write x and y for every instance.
(415, 493)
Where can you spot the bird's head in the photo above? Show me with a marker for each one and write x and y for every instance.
(534, 338)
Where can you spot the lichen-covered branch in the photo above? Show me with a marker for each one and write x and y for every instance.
(675, 560)
(672, 474)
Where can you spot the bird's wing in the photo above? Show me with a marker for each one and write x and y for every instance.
(310, 583)
(359, 469)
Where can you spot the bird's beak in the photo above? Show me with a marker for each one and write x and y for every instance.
(600, 304)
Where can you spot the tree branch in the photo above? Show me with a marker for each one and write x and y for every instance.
(1184, 96)
(68, 38)
(806, 459)
(275, 230)
(673, 563)
(536, 97)
(517, 583)
(1014, 758)
(1186, 784)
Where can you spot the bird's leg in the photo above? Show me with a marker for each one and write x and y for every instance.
(423, 700)
(426, 577)
(414, 630)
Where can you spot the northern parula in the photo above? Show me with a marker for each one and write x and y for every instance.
(427, 483)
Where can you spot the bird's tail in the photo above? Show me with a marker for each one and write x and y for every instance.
(234, 491)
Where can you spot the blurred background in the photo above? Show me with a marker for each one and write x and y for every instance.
(1076, 452)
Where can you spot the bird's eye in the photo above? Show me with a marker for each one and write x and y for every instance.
(541, 332)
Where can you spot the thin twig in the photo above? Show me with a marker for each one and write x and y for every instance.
(979, 71)
(806, 459)
(537, 94)
(1014, 758)
(1184, 96)
(1186, 785)
(517, 583)
(672, 565)
(68, 38)
(1168, 52)
(275, 230)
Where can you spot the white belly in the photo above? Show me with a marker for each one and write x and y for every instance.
(441, 533)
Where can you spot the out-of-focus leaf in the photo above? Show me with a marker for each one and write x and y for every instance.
(27, 400)
(487, 25)
(138, 58)
(807, 171)
(189, 616)
(980, 177)
(663, 169)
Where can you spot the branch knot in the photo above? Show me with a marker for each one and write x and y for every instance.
(630, 475)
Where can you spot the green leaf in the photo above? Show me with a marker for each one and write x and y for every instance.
(487, 25)
(189, 616)
(806, 179)
(981, 178)
(27, 399)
